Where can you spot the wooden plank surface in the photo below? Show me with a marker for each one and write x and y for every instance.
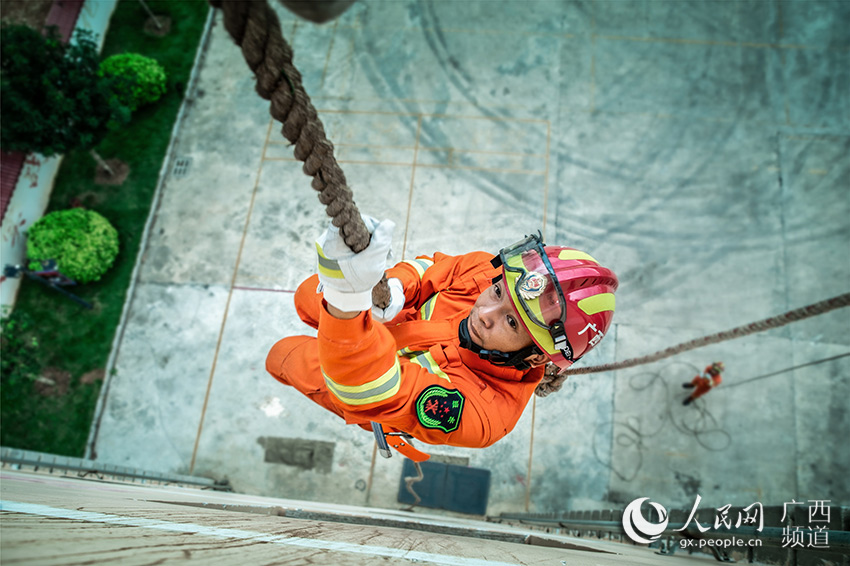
(49, 520)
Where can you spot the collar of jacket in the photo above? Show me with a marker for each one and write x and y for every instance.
(441, 340)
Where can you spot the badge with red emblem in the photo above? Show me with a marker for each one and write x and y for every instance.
(532, 286)
(440, 408)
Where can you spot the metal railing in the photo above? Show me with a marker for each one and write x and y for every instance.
(17, 459)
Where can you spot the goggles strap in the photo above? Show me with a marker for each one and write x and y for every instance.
(559, 337)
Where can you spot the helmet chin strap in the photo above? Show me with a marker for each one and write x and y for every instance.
(497, 357)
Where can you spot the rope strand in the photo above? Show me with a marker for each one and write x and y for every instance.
(255, 28)
(752, 328)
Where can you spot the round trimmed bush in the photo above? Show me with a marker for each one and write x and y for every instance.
(83, 243)
(138, 80)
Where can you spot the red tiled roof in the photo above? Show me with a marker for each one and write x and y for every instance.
(11, 163)
(63, 14)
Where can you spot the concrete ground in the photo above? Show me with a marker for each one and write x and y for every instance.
(700, 149)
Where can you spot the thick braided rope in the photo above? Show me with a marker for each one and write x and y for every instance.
(255, 28)
(758, 326)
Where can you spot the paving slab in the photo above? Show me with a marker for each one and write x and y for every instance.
(156, 394)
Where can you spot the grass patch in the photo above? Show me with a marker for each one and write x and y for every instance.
(55, 336)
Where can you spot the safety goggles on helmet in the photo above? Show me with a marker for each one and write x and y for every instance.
(536, 294)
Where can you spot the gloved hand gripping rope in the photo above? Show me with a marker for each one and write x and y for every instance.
(255, 28)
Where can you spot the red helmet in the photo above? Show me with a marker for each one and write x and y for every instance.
(563, 297)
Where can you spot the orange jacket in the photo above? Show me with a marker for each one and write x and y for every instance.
(704, 383)
(410, 373)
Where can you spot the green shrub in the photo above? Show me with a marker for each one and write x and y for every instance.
(54, 99)
(19, 362)
(140, 79)
(83, 243)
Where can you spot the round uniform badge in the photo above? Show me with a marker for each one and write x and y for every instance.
(532, 286)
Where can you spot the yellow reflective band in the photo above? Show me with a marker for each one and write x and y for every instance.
(420, 265)
(376, 390)
(428, 308)
(328, 267)
(597, 303)
(427, 361)
(540, 334)
(533, 304)
(575, 254)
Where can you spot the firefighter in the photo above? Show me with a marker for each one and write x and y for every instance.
(456, 356)
(702, 384)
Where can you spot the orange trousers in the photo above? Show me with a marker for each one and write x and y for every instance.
(703, 385)
(294, 361)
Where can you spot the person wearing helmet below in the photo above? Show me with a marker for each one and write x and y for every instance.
(456, 356)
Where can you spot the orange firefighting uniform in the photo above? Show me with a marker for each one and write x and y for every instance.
(702, 384)
(409, 374)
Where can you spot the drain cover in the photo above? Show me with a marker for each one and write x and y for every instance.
(181, 167)
(447, 486)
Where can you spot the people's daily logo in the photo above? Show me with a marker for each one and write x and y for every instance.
(639, 529)
(726, 524)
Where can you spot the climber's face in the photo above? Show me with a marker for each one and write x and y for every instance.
(493, 323)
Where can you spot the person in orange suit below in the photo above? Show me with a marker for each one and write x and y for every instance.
(456, 356)
(702, 384)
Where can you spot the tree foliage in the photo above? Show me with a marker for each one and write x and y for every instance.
(83, 243)
(54, 98)
(139, 80)
(19, 362)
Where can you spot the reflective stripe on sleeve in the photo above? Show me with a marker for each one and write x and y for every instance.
(427, 361)
(420, 265)
(428, 308)
(373, 391)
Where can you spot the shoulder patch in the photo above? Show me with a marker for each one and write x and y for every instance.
(438, 407)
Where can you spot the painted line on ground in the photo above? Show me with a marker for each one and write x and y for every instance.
(220, 532)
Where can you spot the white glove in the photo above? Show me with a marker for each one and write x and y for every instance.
(347, 278)
(397, 300)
